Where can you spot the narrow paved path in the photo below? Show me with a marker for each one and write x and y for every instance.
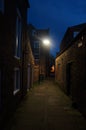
(46, 107)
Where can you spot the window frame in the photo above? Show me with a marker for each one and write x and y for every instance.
(36, 45)
(18, 35)
(16, 80)
(33, 32)
(75, 33)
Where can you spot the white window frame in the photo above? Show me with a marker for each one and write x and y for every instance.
(16, 80)
(18, 35)
(2, 6)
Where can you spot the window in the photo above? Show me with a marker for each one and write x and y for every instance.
(36, 51)
(36, 44)
(36, 61)
(33, 32)
(1, 5)
(18, 35)
(36, 55)
(16, 80)
(75, 34)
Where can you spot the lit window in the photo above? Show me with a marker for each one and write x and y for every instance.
(18, 35)
(16, 80)
(80, 44)
(33, 32)
(1, 5)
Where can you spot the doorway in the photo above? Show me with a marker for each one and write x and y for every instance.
(69, 78)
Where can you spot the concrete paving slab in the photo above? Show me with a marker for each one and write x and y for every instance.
(46, 107)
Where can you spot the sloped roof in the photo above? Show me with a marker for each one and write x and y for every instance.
(68, 36)
(78, 27)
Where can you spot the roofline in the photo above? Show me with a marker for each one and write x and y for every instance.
(69, 45)
(31, 26)
(80, 26)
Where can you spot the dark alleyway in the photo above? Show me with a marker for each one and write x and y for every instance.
(46, 107)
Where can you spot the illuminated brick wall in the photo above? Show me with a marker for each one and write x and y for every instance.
(70, 70)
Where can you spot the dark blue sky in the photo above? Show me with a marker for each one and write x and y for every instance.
(57, 15)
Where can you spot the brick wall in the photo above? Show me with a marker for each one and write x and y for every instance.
(8, 61)
(70, 70)
(36, 73)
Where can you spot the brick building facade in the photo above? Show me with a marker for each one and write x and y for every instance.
(70, 67)
(13, 55)
(40, 52)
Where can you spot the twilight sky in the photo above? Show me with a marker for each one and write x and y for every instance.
(57, 15)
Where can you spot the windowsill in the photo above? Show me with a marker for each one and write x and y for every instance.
(16, 91)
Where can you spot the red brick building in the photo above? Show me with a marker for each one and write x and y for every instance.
(40, 52)
(70, 65)
(29, 62)
(13, 55)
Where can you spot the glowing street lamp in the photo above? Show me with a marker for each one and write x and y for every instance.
(46, 42)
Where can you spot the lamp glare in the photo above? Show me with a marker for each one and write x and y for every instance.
(46, 42)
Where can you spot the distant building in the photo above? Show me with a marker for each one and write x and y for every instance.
(40, 52)
(13, 64)
(52, 66)
(70, 65)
